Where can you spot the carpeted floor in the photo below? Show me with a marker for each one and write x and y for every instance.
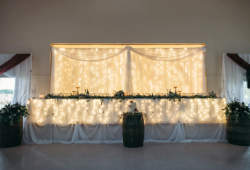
(153, 156)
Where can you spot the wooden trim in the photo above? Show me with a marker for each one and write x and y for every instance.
(15, 60)
(50, 67)
(122, 45)
(237, 59)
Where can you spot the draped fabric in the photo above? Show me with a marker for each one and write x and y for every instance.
(97, 74)
(22, 75)
(233, 77)
(82, 133)
(99, 120)
(105, 70)
(15, 60)
(182, 68)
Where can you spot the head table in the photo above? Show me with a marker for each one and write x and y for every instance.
(99, 120)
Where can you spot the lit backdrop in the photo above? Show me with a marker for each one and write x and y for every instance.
(105, 69)
(143, 69)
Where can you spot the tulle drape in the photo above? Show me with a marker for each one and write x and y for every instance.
(180, 68)
(99, 120)
(133, 70)
(22, 75)
(104, 76)
(233, 77)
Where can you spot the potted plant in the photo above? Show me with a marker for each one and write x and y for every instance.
(11, 124)
(238, 123)
(133, 127)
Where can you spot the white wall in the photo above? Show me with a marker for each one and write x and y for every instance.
(31, 25)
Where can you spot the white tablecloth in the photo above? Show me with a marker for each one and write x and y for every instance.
(99, 120)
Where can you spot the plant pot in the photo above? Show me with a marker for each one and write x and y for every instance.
(133, 129)
(238, 132)
(11, 135)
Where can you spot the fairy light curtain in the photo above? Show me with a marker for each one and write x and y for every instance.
(99, 120)
(143, 69)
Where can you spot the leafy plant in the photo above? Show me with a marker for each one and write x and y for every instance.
(121, 95)
(11, 113)
(174, 95)
(237, 111)
(212, 94)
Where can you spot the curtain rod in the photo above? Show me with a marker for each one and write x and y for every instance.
(122, 45)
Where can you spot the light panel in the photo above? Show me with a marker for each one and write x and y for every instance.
(133, 68)
(65, 112)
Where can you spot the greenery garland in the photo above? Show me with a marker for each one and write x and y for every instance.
(121, 95)
(11, 113)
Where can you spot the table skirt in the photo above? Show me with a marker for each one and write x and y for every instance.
(99, 120)
(49, 134)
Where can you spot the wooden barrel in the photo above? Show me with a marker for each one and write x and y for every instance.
(238, 133)
(11, 135)
(133, 130)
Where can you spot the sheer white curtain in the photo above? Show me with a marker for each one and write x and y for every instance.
(233, 77)
(22, 75)
(134, 70)
(100, 70)
(156, 70)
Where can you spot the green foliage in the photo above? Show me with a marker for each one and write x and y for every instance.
(212, 94)
(174, 95)
(121, 95)
(237, 111)
(11, 113)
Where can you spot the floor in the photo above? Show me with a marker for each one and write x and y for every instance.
(153, 156)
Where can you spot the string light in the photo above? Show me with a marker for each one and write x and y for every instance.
(108, 111)
(181, 67)
(172, 67)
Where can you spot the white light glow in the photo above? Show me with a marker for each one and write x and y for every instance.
(104, 70)
(108, 111)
